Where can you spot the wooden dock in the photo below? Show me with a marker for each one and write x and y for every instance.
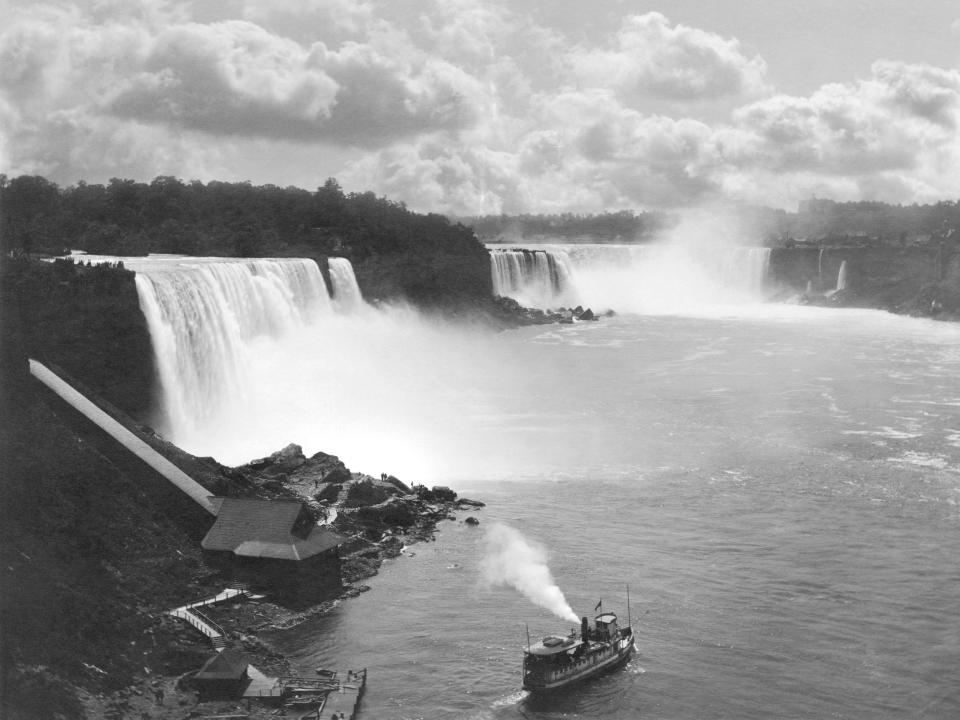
(326, 697)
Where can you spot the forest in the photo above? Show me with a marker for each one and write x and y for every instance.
(423, 258)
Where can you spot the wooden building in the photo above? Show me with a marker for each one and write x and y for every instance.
(223, 677)
(275, 545)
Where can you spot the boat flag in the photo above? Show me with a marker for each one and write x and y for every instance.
(599, 605)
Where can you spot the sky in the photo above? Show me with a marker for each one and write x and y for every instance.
(473, 107)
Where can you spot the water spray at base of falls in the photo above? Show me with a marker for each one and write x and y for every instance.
(512, 560)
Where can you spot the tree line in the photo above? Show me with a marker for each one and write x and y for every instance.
(167, 215)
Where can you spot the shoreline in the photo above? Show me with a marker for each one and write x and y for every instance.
(372, 539)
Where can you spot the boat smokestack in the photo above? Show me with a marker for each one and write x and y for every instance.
(584, 628)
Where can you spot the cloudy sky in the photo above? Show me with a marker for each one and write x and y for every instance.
(489, 106)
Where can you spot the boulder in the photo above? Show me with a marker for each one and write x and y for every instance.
(326, 468)
(283, 461)
(437, 494)
(397, 483)
(472, 521)
(442, 493)
(392, 512)
(588, 315)
(365, 492)
(330, 494)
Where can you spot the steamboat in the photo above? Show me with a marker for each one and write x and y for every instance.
(556, 662)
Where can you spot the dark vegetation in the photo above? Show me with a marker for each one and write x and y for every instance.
(395, 252)
(86, 318)
(90, 555)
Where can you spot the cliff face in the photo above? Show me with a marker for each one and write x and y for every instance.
(914, 279)
(439, 281)
(88, 321)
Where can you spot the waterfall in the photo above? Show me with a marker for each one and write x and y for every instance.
(537, 278)
(346, 292)
(203, 313)
(842, 276)
(648, 278)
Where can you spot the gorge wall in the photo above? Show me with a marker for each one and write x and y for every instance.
(909, 280)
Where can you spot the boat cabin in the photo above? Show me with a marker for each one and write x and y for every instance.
(605, 628)
(557, 661)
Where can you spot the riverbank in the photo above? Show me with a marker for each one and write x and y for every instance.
(96, 550)
(379, 518)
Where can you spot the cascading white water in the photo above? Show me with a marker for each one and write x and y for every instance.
(346, 292)
(204, 314)
(535, 278)
(652, 278)
(842, 276)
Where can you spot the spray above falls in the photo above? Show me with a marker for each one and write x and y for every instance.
(510, 559)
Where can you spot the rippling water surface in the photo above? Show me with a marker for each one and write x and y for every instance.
(779, 490)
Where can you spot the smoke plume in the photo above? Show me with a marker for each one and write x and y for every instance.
(510, 559)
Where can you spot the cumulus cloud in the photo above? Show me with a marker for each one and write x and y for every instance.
(575, 150)
(890, 136)
(649, 56)
(897, 119)
(234, 77)
(295, 18)
(463, 106)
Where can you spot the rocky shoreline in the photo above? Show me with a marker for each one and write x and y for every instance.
(379, 516)
(508, 313)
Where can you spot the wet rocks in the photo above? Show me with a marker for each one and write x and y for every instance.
(395, 512)
(513, 313)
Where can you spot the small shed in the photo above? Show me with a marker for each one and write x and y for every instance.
(223, 677)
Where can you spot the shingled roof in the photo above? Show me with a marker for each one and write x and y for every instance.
(225, 665)
(275, 529)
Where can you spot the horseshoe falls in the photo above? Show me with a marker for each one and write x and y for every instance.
(655, 278)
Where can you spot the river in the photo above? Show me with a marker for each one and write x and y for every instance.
(778, 486)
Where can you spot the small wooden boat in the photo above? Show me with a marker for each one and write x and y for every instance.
(556, 662)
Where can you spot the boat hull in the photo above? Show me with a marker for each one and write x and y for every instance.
(579, 672)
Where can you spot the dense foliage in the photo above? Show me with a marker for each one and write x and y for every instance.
(85, 318)
(125, 217)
